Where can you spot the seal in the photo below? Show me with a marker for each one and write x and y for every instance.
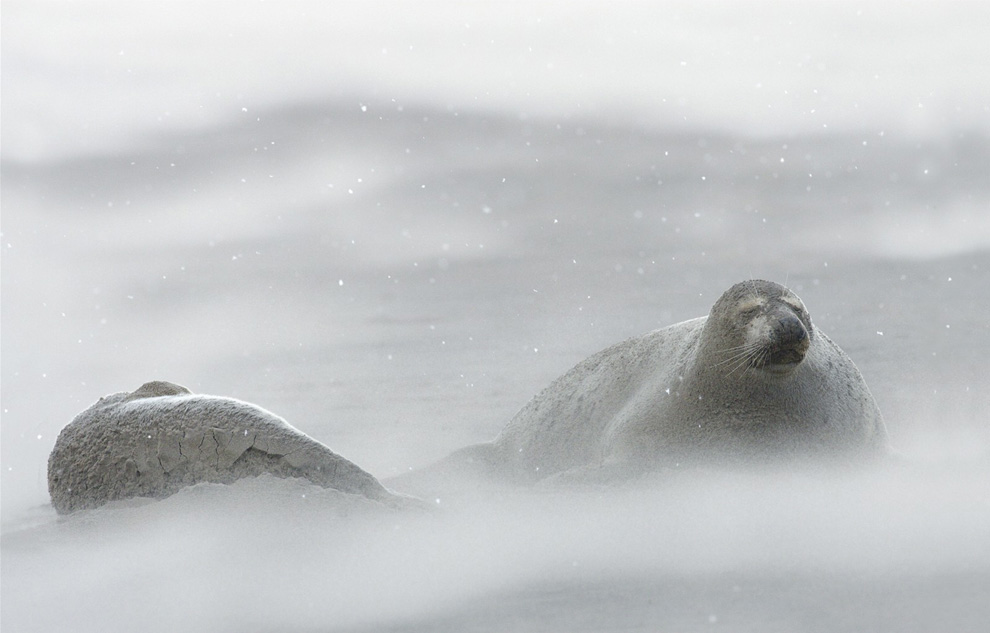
(161, 437)
(753, 382)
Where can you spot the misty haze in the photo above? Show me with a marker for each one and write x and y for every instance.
(393, 224)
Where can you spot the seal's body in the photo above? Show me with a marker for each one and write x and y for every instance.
(754, 381)
(160, 438)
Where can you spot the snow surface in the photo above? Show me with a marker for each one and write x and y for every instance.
(392, 226)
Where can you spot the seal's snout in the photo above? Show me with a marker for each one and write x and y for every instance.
(790, 341)
(791, 331)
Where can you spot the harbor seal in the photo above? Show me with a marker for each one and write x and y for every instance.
(160, 438)
(753, 382)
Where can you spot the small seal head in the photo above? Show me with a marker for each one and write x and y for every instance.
(760, 326)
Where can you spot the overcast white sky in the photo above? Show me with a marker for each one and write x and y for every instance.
(85, 76)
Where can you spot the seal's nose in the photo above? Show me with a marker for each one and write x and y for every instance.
(790, 331)
(790, 342)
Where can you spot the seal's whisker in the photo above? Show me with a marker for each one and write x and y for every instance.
(733, 351)
(741, 352)
(743, 364)
(765, 360)
(747, 359)
(745, 347)
(742, 361)
(736, 362)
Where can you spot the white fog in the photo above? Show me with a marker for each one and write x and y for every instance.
(395, 223)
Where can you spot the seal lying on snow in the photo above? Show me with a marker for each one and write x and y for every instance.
(752, 381)
(161, 437)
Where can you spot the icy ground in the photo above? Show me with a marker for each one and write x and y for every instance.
(416, 314)
(397, 276)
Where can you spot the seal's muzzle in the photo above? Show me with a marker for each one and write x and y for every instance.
(789, 342)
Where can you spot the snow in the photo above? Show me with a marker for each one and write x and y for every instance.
(152, 229)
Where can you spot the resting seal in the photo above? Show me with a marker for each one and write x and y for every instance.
(754, 381)
(161, 437)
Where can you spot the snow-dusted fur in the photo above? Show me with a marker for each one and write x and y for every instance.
(161, 437)
(754, 380)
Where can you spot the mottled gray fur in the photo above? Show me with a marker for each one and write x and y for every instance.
(160, 438)
(753, 382)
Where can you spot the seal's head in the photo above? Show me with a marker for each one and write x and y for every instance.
(760, 326)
